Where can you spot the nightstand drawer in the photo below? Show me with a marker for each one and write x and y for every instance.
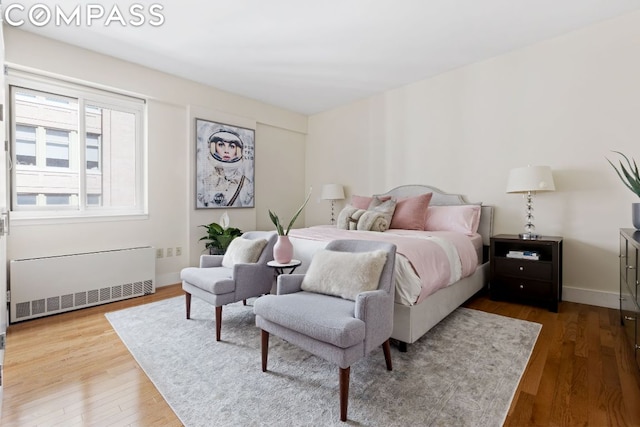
(523, 268)
(526, 289)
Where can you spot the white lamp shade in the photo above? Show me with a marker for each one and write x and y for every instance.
(332, 192)
(530, 178)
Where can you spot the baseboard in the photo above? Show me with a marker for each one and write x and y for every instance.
(591, 297)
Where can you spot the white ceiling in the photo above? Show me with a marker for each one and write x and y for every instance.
(312, 55)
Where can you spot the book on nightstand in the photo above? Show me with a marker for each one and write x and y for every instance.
(524, 255)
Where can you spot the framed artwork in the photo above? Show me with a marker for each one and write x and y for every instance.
(225, 165)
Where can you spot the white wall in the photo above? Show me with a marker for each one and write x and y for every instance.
(173, 104)
(564, 103)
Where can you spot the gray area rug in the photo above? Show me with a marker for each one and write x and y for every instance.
(464, 372)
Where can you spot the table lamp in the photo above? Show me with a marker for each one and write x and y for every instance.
(332, 192)
(529, 180)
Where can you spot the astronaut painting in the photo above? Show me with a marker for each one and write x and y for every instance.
(225, 166)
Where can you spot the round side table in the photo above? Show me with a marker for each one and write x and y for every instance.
(281, 268)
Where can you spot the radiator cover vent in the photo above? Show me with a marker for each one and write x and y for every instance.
(51, 285)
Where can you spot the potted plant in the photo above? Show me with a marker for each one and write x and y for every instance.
(283, 249)
(219, 236)
(631, 179)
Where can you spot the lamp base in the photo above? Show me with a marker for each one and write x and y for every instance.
(333, 217)
(529, 236)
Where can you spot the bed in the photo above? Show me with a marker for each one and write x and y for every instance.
(414, 314)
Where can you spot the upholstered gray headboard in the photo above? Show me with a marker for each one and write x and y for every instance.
(440, 198)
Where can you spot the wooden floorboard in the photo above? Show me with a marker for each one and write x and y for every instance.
(581, 371)
(72, 369)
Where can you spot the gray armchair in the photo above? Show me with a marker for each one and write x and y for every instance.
(219, 285)
(336, 329)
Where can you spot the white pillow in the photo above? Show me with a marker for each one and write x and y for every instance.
(344, 274)
(242, 250)
(461, 218)
(384, 206)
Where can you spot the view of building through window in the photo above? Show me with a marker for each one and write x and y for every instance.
(73, 153)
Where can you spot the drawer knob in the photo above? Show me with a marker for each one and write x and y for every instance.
(637, 347)
(630, 267)
(521, 286)
(629, 318)
(521, 268)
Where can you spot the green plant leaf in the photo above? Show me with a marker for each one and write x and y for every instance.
(219, 237)
(276, 220)
(297, 214)
(629, 177)
(217, 228)
(224, 241)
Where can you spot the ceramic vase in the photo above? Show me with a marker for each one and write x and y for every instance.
(635, 215)
(283, 250)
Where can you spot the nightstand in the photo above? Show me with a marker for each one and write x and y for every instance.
(629, 282)
(517, 275)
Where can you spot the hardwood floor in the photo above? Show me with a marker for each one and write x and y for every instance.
(72, 369)
(581, 371)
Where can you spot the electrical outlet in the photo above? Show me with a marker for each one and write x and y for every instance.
(178, 251)
(159, 253)
(169, 251)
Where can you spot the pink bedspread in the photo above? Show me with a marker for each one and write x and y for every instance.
(428, 259)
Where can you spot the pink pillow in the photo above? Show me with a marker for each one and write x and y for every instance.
(411, 213)
(461, 218)
(362, 202)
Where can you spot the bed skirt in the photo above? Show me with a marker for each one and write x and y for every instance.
(412, 322)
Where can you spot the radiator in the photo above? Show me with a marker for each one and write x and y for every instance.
(49, 285)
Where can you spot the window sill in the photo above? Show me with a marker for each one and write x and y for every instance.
(19, 218)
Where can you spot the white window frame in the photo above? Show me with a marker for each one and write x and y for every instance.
(23, 80)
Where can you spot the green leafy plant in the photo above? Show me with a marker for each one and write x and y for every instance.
(628, 174)
(219, 236)
(276, 221)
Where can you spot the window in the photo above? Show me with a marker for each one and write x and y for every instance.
(93, 151)
(57, 199)
(25, 145)
(26, 199)
(78, 151)
(93, 199)
(57, 148)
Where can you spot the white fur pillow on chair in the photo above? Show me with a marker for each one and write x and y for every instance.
(344, 274)
(243, 251)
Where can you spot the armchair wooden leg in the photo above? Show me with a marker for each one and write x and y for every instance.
(386, 348)
(218, 322)
(187, 299)
(344, 392)
(265, 348)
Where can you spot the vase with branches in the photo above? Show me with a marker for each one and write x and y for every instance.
(283, 249)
